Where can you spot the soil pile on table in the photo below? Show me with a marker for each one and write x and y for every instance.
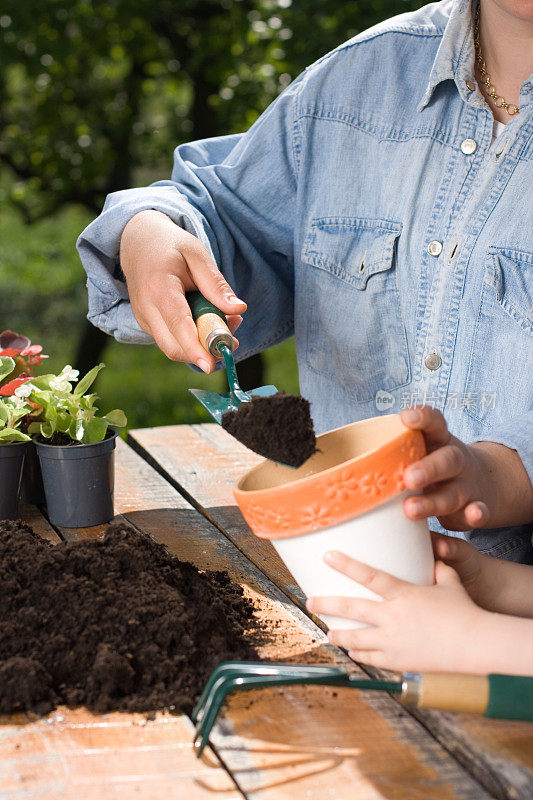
(119, 623)
(278, 427)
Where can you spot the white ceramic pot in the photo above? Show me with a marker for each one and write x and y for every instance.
(346, 497)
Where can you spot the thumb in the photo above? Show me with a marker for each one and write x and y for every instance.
(445, 575)
(208, 277)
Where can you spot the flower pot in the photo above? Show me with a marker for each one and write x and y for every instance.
(346, 497)
(79, 482)
(31, 486)
(11, 461)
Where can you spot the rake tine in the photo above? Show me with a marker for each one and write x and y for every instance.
(229, 669)
(328, 676)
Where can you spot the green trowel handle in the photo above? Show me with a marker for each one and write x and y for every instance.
(210, 324)
(200, 306)
(510, 697)
(498, 696)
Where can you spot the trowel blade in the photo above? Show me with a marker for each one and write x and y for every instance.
(219, 404)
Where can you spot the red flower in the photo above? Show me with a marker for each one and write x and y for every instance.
(9, 388)
(10, 352)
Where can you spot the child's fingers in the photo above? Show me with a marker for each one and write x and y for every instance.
(356, 639)
(430, 421)
(381, 583)
(445, 575)
(367, 611)
(441, 465)
(447, 499)
(374, 658)
(476, 514)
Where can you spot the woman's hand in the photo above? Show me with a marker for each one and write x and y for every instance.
(415, 628)
(161, 262)
(451, 475)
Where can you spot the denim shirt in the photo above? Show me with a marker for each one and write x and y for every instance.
(369, 212)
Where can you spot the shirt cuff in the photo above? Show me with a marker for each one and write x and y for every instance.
(99, 244)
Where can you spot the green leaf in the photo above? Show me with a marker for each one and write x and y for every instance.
(116, 418)
(12, 435)
(47, 430)
(7, 365)
(95, 430)
(88, 380)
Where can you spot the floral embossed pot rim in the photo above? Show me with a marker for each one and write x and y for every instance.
(358, 467)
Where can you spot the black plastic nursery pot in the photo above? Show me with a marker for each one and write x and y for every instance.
(11, 461)
(79, 482)
(31, 486)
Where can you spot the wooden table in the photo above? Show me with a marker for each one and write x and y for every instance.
(174, 483)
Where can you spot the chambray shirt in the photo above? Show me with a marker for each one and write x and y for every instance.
(369, 212)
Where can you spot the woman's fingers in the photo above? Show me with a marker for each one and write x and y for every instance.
(381, 583)
(441, 465)
(448, 498)
(430, 421)
(367, 611)
(206, 276)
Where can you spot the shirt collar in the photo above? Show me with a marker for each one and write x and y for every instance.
(455, 56)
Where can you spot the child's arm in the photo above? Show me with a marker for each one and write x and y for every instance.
(492, 583)
(482, 485)
(425, 628)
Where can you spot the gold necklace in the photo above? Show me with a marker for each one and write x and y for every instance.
(499, 101)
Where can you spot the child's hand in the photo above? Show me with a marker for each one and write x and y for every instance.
(475, 570)
(416, 628)
(451, 475)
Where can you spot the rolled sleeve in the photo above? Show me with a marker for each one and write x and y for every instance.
(237, 194)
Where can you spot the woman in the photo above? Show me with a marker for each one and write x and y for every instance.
(381, 209)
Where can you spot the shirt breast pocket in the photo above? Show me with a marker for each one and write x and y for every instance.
(498, 384)
(355, 331)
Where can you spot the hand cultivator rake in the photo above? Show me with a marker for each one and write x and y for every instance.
(500, 696)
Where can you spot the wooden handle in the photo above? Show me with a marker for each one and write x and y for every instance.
(210, 323)
(468, 693)
(209, 327)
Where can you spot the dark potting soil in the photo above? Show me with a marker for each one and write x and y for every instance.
(119, 623)
(278, 427)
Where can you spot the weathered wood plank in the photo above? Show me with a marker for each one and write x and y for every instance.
(305, 741)
(498, 753)
(203, 462)
(75, 755)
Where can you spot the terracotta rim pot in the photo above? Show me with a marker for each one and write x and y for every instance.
(348, 497)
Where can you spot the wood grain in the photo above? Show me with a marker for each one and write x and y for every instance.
(204, 462)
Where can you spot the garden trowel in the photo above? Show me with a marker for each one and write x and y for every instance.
(216, 338)
(269, 427)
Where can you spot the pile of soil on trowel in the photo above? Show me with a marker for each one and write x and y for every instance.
(119, 623)
(278, 427)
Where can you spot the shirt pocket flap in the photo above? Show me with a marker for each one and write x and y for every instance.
(352, 249)
(510, 274)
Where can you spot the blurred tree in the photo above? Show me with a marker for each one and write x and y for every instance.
(95, 94)
(92, 90)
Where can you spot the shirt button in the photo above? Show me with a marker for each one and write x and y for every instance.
(433, 361)
(435, 248)
(468, 147)
(470, 85)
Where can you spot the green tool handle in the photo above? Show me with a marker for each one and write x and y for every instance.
(497, 696)
(210, 323)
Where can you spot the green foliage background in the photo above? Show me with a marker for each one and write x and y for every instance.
(94, 96)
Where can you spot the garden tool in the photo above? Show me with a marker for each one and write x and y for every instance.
(216, 338)
(264, 419)
(496, 696)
